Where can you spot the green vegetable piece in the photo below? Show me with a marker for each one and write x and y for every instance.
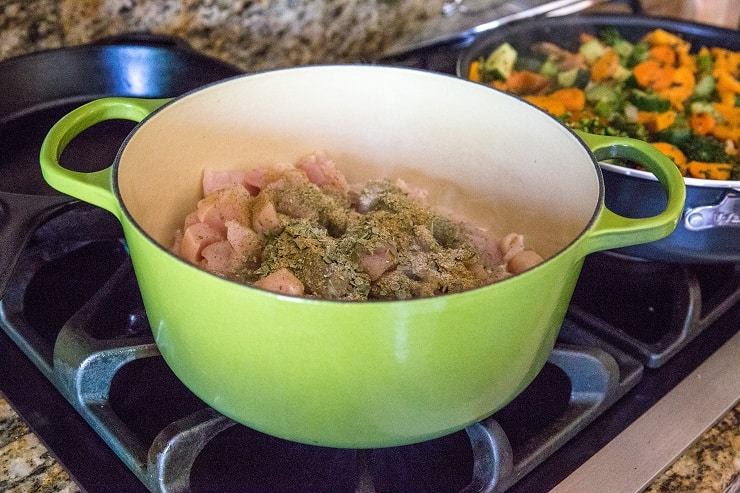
(705, 86)
(704, 64)
(528, 63)
(630, 82)
(612, 37)
(605, 99)
(704, 148)
(674, 135)
(575, 77)
(648, 101)
(624, 49)
(640, 53)
(500, 62)
(622, 73)
(592, 50)
(549, 69)
(706, 107)
(601, 92)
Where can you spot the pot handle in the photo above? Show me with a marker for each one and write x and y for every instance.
(614, 231)
(94, 187)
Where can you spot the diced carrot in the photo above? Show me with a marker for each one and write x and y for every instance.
(684, 58)
(573, 99)
(727, 132)
(653, 75)
(605, 66)
(729, 128)
(474, 71)
(547, 103)
(702, 123)
(662, 37)
(656, 122)
(674, 153)
(664, 54)
(710, 171)
(681, 87)
(664, 120)
(726, 60)
(526, 82)
(560, 101)
(726, 83)
(730, 113)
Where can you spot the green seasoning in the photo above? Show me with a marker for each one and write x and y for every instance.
(428, 253)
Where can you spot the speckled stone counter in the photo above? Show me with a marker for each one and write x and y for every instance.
(253, 35)
(712, 464)
(25, 464)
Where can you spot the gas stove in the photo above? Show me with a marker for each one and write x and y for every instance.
(78, 362)
(75, 331)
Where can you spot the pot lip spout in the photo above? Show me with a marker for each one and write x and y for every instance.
(646, 175)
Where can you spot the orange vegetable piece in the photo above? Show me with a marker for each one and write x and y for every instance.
(709, 171)
(729, 129)
(685, 59)
(727, 132)
(526, 82)
(573, 99)
(730, 113)
(702, 123)
(681, 87)
(474, 71)
(654, 121)
(674, 153)
(726, 83)
(664, 54)
(726, 60)
(561, 101)
(605, 66)
(653, 74)
(547, 103)
(662, 37)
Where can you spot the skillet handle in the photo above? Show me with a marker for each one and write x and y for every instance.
(94, 187)
(614, 231)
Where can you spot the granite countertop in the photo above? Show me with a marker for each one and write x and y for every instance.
(253, 35)
(264, 34)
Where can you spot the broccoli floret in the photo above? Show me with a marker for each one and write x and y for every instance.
(704, 148)
(616, 126)
(704, 64)
(640, 53)
(610, 36)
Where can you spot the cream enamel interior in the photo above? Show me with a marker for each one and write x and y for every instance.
(479, 152)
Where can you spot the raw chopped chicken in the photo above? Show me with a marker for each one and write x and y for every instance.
(302, 230)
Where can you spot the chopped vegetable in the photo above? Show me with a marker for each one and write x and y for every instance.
(687, 103)
(499, 64)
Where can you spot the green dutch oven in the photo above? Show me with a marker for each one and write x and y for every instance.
(360, 374)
